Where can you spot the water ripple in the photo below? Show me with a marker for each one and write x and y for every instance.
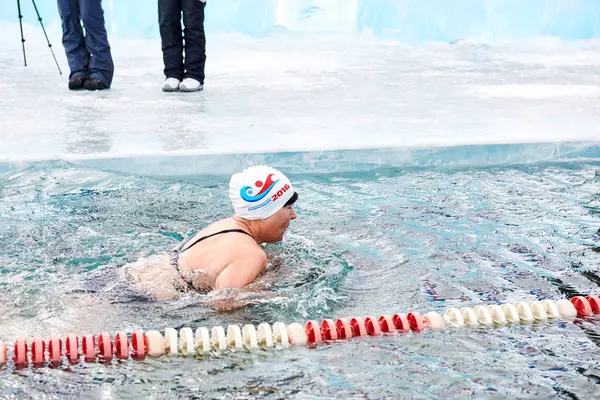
(372, 242)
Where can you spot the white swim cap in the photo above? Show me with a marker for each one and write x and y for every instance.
(259, 192)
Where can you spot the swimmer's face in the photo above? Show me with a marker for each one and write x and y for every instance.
(278, 223)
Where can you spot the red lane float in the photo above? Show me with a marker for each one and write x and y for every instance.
(372, 325)
(121, 345)
(88, 347)
(415, 321)
(138, 345)
(594, 303)
(344, 329)
(313, 332)
(358, 326)
(582, 306)
(386, 323)
(105, 347)
(401, 322)
(38, 348)
(328, 330)
(20, 352)
(72, 348)
(3, 353)
(55, 350)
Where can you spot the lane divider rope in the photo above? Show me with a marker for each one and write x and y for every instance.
(89, 348)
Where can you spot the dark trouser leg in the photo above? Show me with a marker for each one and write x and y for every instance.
(169, 21)
(195, 40)
(96, 41)
(72, 38)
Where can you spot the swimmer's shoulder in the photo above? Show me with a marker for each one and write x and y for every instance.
(261, 257)
(245, 250)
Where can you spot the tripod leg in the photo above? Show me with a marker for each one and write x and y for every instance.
(47, 40)
(21, 26)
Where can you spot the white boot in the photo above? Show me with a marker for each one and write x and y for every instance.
(170, 85)
(190, 85)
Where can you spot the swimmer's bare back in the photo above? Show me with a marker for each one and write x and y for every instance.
(222, 255)
(226, 257)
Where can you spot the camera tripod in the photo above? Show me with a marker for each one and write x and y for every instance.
(43, 28)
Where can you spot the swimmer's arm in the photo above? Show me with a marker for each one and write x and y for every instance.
(242, 272)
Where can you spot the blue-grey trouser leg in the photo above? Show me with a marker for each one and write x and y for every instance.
(73, 40)
(87, 55)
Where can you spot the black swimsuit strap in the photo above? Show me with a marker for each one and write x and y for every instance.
(211, 235)
(177, 251)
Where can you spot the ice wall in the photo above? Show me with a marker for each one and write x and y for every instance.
(406, 20)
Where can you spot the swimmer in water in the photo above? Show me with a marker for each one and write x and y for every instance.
(226, 254)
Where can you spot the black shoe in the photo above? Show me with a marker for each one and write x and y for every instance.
(94, 84)
(76, 83)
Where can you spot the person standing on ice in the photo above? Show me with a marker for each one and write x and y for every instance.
(88, 55)
(184, 75)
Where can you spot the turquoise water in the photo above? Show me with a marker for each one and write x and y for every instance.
(371, 238)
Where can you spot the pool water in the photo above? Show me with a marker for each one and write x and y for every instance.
(368, 241)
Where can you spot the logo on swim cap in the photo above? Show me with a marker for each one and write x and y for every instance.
(247, 192)
(259, 192)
